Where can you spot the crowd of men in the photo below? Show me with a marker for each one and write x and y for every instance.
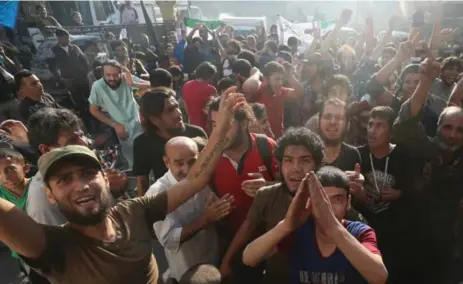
(343, 164)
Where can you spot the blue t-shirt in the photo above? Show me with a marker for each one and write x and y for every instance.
(310, 267)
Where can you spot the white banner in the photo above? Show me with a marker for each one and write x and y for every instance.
(286, 29)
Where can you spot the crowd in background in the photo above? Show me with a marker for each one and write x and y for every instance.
(253, 162)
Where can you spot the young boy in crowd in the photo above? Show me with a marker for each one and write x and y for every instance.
(14, 185)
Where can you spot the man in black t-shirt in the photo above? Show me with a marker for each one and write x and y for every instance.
(387, 202)
(32, 95)
(161, 120)
(333, 124)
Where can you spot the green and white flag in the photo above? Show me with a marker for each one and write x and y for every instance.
(191, 23)
(327, 26)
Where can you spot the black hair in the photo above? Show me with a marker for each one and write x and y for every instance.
(244, 113)
(284, 47)
(239, 38)
(333, 177)
(112, 63)
(236, 45)
(175, 71)
(411, 68)
(286, 55)
(337, 80)
(196, 39)
(9, 153)
(242, 67)
(47, 123)
(224, 84)
(292, 41)
(450, 62)
(19, 76)
(271, 68)
(152, 104)
(89, 43)
(259, 110)
(248, 55)
(40, 6)
(96, 63)
(384, 112)
(160, 78)
(98, 72)
(200, 142)
(205, 71)
(303, 137)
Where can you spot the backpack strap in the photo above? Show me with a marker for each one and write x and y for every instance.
(265, 153)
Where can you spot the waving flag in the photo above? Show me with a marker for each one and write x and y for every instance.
(327, 26)
(286, 29)
(8, 12)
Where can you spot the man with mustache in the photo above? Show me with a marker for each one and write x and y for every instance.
(188, 234)
(102, 245)
(440, 177)
(162, 120)
(114, 94)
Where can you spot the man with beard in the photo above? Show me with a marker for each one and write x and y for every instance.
(298, 152)
(440, 177)
(387, 203)
(333, 124)
(162, 120)
(102, 245)
(114, 94)
(272, 94)
(247, 164)
(188, 234)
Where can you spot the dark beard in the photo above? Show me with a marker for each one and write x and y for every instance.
(114, 88)
(239, 138)
(81, 220)
(176, 131)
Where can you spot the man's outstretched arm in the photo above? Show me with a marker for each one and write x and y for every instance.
(201, 172)
(19, 232)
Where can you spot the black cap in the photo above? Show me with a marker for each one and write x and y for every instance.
(61, 32)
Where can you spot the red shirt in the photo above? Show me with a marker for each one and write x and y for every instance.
(228, 177)
(275, 105)
(196, 95)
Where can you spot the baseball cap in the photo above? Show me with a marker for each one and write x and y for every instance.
(49, 159)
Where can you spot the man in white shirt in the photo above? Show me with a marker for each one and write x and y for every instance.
(187, 234)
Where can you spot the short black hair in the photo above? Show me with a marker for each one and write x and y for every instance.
(19, 76)
(9, 153)
(292, 40)
(224, 84)
(248, 55)
(450, 62)
(152, 105)
(112, 63)
(333, 177)
(236, 45)
(303, 137)
(196, 39)
(160, 78)
(242, 67)
(205, 71)
(273, 67)
(284, 47)
(384, 112)
(286, 56)
(337, 80)
(89, 43)
(47, 123)
(244, 113)
(175, 71)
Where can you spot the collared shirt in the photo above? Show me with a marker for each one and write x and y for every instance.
(200, 248)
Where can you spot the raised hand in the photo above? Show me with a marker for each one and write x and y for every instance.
(344, 19)
(407, 49)
(300, 208)
(230, 102)
(16, 130)
(429, 69)
(321, 205)
(250, 187)
(218, 209)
